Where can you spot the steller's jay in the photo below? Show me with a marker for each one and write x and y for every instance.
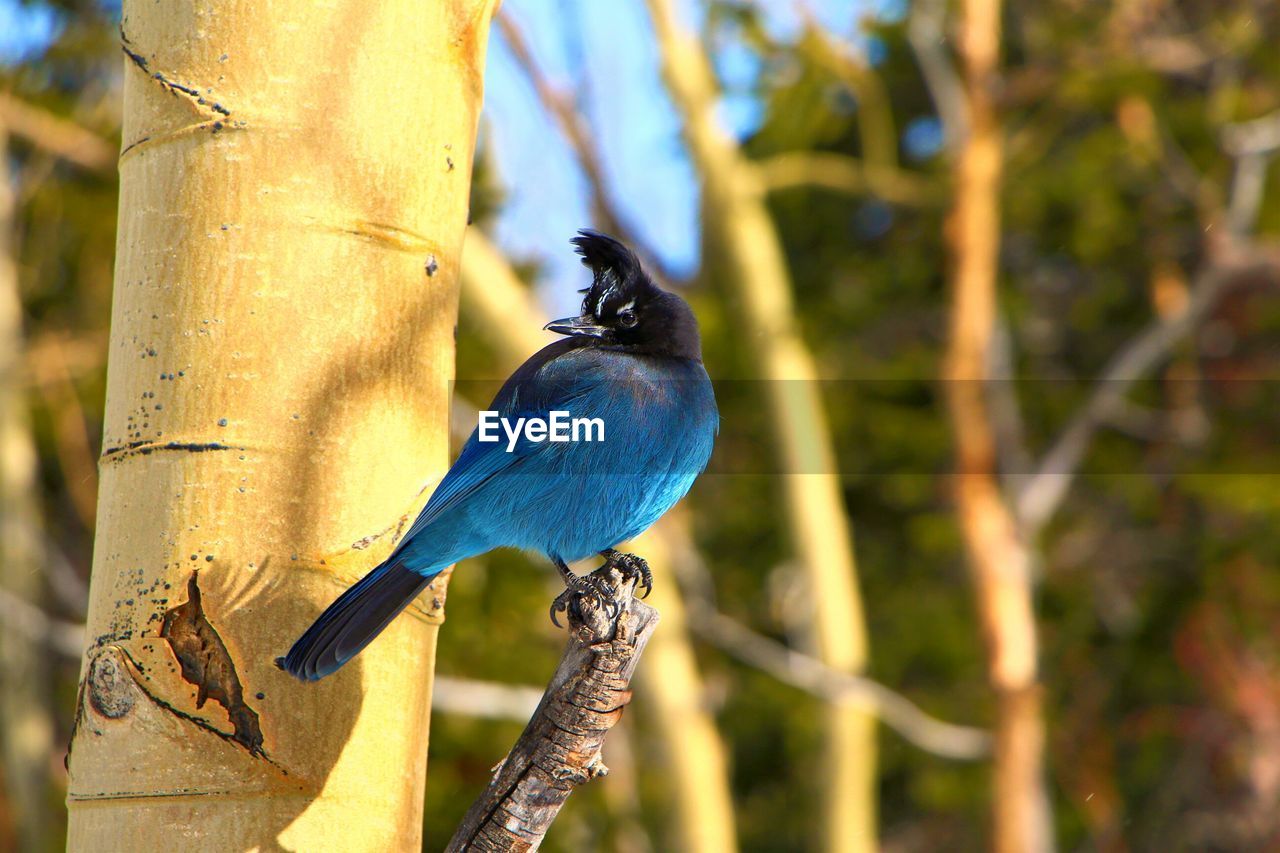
(632, 359)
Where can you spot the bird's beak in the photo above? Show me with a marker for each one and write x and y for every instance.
(577, 326)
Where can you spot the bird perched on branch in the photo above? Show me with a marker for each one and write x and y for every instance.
(633, 360)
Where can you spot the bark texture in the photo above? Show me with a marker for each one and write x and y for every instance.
(294, 191)
(560, 748)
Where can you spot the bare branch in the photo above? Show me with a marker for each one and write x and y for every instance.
(813, 676)
(561, 107)
(1173, 55)
(1042, 495)
(1246, 192)
(64, 581)
(1253, 144)
(925, 32)
(1257, 136)
(57, 136)
(16, 614)
(1002, 404)
(560, 747)
(875, 116)
(486, 699)
(844, 174)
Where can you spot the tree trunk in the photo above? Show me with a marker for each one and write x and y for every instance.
(734, 211)
(675, 698)
(294, 190)
(26, 727)
(998, 557)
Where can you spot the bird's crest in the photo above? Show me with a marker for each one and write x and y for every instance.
(616, 271)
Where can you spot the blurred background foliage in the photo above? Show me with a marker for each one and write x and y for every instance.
(1158, 599)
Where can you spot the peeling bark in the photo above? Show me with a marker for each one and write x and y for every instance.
(207, 664)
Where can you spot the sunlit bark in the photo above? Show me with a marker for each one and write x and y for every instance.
(294, 191)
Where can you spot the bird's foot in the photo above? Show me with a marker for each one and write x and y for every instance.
(631, 566)
(593, 586)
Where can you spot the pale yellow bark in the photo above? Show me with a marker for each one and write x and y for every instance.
(734, 213)
(294, 185)
(669, 681)
(999, 559)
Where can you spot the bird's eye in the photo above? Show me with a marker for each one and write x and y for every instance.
(627, 319)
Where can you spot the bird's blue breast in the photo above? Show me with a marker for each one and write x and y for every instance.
(573, 499)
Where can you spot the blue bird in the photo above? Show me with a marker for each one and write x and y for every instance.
(633, 360)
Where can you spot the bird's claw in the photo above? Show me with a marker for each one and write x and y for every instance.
(632, 566)
(591, 585)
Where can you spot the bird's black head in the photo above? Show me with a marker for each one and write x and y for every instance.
(624, 309)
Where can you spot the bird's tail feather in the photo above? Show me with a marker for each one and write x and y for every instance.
(351, 622)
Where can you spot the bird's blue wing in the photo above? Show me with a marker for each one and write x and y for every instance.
(551, 380)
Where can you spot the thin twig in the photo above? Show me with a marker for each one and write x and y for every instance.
(876, 128)
(484, 699)
(928, 42)
(56, 135)
(582, 143)
(66, 638)
(813, 676)
(1044, 492)
(844, 174)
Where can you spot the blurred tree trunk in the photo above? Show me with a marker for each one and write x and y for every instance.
(740, 226)
(294, 191)
(26, 714)
(693, 750)
(999, 559)
(694, 753)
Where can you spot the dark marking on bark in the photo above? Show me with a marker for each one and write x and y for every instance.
(206, 106)
(207, 664)
(134, 144)
(183, 715)
(175, 88)
(146, 448)
(75, 726)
